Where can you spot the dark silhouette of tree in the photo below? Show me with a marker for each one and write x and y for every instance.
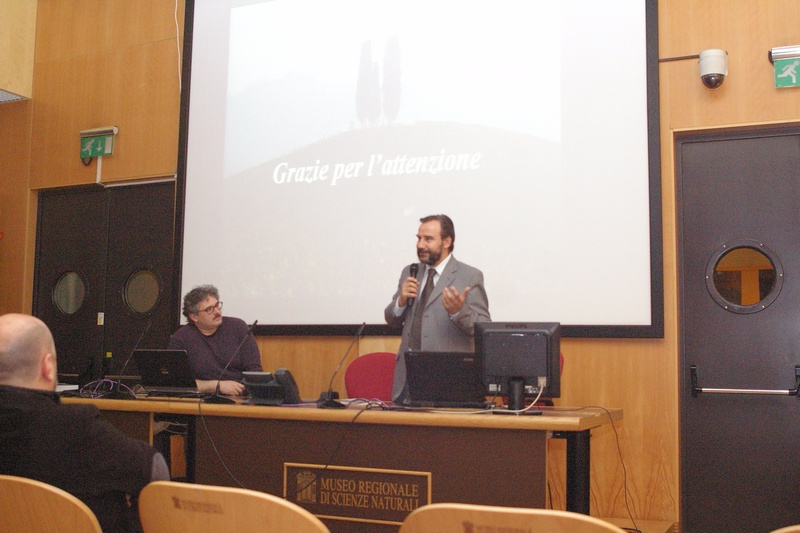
(391, 88)
(368, 97)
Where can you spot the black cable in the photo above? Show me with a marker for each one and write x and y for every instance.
(101, 388)
(635, 528)
(214, 446)
(327, 464)
(338, 446)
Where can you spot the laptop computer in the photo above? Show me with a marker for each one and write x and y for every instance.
(444, 379)
(165, 373)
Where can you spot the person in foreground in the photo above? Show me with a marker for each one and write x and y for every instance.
(67, 446)
(211, 340)
(455, 302)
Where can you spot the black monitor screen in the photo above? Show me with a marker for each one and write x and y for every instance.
(527, 351)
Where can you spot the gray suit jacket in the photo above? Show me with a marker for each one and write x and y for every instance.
(440, 331)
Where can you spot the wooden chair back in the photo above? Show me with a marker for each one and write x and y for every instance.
(459, 517)
(166, 506)
(30, 506)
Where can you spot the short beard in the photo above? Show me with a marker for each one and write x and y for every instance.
(433, 258)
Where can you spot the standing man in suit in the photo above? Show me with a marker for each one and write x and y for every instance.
(440, 317)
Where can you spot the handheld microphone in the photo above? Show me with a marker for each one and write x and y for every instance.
(116, 387)
(217, 397)
(413, 269)
(328, 399)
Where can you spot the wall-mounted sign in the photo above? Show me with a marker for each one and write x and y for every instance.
(97, 146)
(787, 72)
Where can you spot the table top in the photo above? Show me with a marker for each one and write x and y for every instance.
(551, 419)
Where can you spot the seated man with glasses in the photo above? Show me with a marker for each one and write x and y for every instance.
(211, 340)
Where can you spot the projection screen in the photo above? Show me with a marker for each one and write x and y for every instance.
(316, 133)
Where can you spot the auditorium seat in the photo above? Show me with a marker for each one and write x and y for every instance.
(176, 506)
(370, 376)
(460, 517)
(32, 506)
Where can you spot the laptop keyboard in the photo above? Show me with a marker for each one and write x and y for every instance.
(180, 392)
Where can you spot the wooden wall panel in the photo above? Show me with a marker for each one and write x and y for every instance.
(106, 63)
(144, 21)
(68, 97)
(747, 30)
(17, 45)
(312, 360)
(378, 344)
(15, 129)
(640, 377)
(69, 29)
(147, 143)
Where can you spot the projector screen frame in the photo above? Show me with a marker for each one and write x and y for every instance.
(653, 330)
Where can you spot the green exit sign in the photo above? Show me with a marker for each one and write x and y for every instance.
(787, 72)
(97, 146)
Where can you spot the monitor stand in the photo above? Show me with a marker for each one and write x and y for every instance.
(516, 399)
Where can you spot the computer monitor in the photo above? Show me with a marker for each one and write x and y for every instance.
(519, 359)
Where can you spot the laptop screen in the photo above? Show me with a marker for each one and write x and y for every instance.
(164, 368)
(444, 379)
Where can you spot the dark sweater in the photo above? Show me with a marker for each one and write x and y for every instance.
(208, 355)
(70, 447)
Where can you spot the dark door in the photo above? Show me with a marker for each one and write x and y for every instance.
(139, 294)
(114, 247)
(739, 267)
(69, 282)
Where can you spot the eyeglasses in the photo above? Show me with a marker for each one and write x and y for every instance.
(210, 309)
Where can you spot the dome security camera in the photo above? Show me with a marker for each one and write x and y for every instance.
(713, 67)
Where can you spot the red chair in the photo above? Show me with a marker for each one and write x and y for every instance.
(371, 376)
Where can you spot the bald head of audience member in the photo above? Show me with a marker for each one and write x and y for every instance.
(27, 353)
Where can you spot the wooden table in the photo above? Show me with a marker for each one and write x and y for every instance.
(365, 469)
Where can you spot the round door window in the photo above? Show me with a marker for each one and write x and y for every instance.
(69, 293)
(142, 291)
(744, 276)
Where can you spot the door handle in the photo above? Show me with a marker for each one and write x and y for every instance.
(784, 392)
